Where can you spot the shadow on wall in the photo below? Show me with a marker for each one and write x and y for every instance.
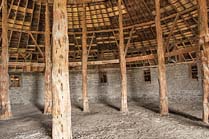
(104, 99)
(38, 100)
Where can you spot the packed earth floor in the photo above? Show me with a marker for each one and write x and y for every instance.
(105, 121)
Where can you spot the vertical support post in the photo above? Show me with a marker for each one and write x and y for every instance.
(84, 61)
(204, 43)
(48, 68)
(161, 63)
(5, 106)
(124, 103)
(61, 122)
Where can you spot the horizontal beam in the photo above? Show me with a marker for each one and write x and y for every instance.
(71, 2)
(114, 61)
(24, 64)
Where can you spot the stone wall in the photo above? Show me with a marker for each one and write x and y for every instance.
(181, 86)
(30, 91)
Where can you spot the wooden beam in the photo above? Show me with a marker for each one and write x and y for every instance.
(92, 40)
(129, 41)
(137, 58)
(5, 108)
(113, 61)
(61, 122)
(124, 103)
(84, 62)
(73, 1)
(161, 63)
(204, 44)
(48, 66)
(171, 32)
(36, 44)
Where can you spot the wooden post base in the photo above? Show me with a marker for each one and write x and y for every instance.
(124, 105)
(86, 105)
(164, 106)
(5, 113)
(48, 108)
(6, 116)
(205, 112)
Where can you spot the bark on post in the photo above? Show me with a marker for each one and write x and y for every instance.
(84, 62)
(60, 73)
(121, 47)
(161, 63)
(48, 68)
(204, 44)
(5, 108)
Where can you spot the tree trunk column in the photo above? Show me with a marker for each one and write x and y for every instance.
(48, 68)
(61, 123)
(5, 108)
(204, 60)
(124, 105)
(84, 62)
(161, 63)
(204, 44)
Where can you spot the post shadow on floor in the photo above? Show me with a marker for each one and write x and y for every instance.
(77, 104)
(155, 108)
(107, 101)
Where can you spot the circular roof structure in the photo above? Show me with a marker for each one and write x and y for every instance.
(179, 20)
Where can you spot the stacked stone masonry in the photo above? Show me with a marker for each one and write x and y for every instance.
(181, 87)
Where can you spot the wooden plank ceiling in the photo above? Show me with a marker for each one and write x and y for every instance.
(179, 22)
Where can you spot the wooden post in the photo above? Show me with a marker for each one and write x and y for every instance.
(161, 63)
(84, 61)
(204, 44)
(48, 68)
(5, 107)
(121, 47)
(61, 128)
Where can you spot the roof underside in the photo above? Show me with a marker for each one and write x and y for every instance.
(179, 19)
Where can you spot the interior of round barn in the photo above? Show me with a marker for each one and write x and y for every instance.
(104, 69)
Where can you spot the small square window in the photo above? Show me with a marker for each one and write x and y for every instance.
(103, 77)
(194, 71)
(15, 80)
(147, 75)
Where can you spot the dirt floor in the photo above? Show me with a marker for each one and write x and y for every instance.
(106, 122)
